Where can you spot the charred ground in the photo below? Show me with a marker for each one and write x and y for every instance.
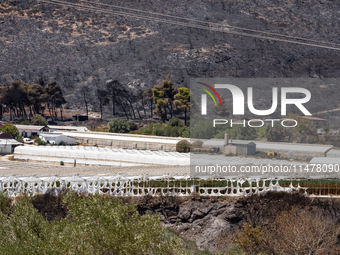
(77, 47)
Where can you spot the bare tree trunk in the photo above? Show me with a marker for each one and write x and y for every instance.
(121, 104)
(24, 110)
(113, 98)
(138, 111)
(132, 109)
(31, 114)
(86, 107)
(143, 105)
(151, 113)
(101, 111)
(49, 110)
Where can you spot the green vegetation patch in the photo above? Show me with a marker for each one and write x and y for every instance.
(92, 225)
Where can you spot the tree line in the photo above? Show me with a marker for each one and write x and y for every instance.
(163, 100)
(23, 100)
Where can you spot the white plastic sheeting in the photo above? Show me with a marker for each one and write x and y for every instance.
(326, 161)
(207, 159)
(67, 128)
(333, 153)
(100, 156)
(125, 137)
(138, 186)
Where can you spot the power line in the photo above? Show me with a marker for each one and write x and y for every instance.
(95, 9)
(208, 23)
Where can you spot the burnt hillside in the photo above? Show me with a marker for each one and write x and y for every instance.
(76, 47)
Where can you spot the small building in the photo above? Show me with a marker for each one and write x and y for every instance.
(241, 148)
(238, 148)
(8, 143)
(30, 130)
(56, 138)
(80, 117)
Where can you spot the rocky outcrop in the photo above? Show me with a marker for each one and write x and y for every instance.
(213, 222)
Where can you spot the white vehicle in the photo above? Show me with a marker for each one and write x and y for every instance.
(28, 140)
(320, 131)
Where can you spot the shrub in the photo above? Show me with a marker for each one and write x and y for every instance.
(235, 250)
(119, 125)
(174, 131)
(293, 231)
(175, 122)
(299, 231)
(137, 132)
(20, 139)
(274, 134)
(166, 130)
(133, 126)
(163, 129)
(202, 129)
(327, 137)
(40, 142)
(39, 120)
(184, 132)
(25, 122)
(61, 163)
(5, 203)
(251, 239)
(100, 129)
(246, 133)
(158, 130)
(131, 234)
(183, 146)
(232, 132)
(93, 225)
(262, 132)
(147, 129)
